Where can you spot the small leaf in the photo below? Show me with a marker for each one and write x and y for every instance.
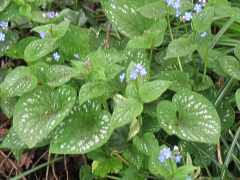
(125, 110)
(230, 66)
(39, 112)
(18, 81)
(84, 130)
(39, 48)
(134, 128)
(150, 91)
(85, 173)
(180, 47)
(191, 117)
(102, 167)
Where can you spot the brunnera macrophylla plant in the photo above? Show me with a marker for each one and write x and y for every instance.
(121, 90)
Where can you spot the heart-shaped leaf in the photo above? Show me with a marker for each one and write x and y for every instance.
(18, 81)
(125, 111)
(85, 129)
(125, 17)
(230, 66)
(150, 91)
(191, 117)
(39, 112)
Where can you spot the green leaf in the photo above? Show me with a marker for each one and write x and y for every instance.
(53, 75)
(227, 115)
(179, 79)
(39, 112)
(39, 48)
(75, 41)
(202, 21)
(237, 96)
(191, 117)
(19, 81)
(105, 166)
(180, 47)
(183, 172)
(230, 66)
(147, 144)
(133, 174)
(92, 90)
(150, 91)
(151, 37)
(134, 128)
(155, 9)
(52, 30)
(4, 4)
(17, 50)
(123, 14)
(125, 110)
(133, 156)
(84, 130)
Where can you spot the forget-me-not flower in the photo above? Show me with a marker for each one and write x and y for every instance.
(50, 14)
(165, 154)
(198, 8)
(203, 34)
(138, 70)
(2, 37)
(187, 16)
(122, 77)
(178, 158)
(3, 25)
(56, 56)
(42, 35)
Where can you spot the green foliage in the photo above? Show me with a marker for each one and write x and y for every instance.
(141, 88)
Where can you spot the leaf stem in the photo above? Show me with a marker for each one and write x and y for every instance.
(36, 169)
(222, 31)
(229, 154)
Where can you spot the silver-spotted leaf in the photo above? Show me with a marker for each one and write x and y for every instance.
(84, 130)
(230, 66)
(150, 91)
(39, 112)
(191, 117)
(39, 48)
(19, 81)
(125, 110)
(125, 17)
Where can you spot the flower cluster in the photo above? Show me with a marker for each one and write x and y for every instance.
(166, 154)
(50, 14)
(138, 70)
(187, 16)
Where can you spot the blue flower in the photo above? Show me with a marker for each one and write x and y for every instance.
(138, 70)
(2, 37)
(203, 2)
(56, 56)
(203, 34)
(122, 77)
(178, 158)
(165, 154)
(177, 4)
(51, 14)
(3, 25)
(198, 8)
(42, 35)
(187, 16)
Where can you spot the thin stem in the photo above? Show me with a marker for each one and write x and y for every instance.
(36, 169)
(229, 154)
(223, 92)
(172, 38)
(222, 31)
